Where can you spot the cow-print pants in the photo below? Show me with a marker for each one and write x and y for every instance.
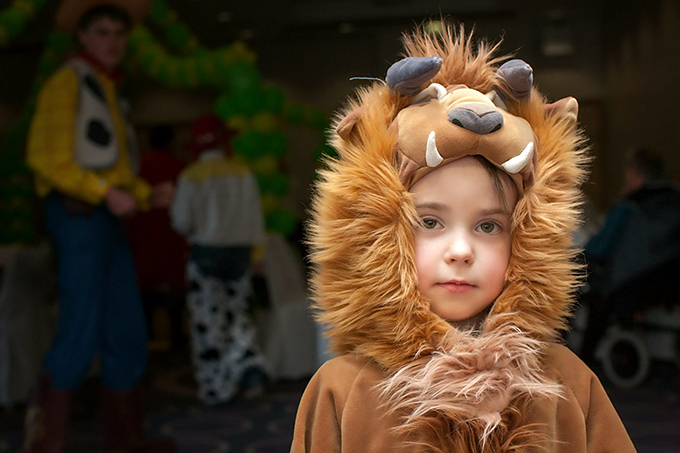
(222, 334)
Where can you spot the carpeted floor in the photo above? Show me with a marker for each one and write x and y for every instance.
(651, 412)
(259, 425)
(264, 425)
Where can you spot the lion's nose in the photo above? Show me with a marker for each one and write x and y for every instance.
(478, 118)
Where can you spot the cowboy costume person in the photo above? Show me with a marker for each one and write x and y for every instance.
(81, 148)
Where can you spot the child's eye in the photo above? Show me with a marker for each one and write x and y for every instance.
(489, 227)
(429, 224)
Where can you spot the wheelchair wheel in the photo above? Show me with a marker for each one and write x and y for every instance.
(625, 359)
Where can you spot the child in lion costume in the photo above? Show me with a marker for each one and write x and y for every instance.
(444, 266)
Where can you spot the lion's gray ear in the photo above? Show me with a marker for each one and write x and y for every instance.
(517, 78)
(408, 75)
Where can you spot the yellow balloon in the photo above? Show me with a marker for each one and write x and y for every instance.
(4, 37)
(265, 166)
(240, 51)
(264, 122)
(240, 160)
(191, 72)
(238, 122)
(27, 7)
(269, 203)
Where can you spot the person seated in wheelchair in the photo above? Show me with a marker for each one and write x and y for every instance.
(633, 262)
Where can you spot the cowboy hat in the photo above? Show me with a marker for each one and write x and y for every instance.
(209, 131)
(70, 11)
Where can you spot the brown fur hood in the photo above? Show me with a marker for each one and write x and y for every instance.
(365, 285)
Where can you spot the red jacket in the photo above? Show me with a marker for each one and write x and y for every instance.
(160, 253)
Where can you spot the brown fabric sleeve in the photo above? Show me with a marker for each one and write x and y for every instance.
(317, 425)
(586, 420)
(605, 430)
(341, 411)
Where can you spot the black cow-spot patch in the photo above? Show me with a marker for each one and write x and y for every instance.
(97, 132)
(94, 87)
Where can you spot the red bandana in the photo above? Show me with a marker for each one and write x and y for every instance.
(114, 74)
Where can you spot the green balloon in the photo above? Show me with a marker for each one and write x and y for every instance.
(246, 101)
(13, 19)
(276, 184)
(205, 70)
(248, 145)
(178, 35)
(318, 119)
(242, 76)
(277, 144)
(60, 42)
(294, 113)
(39, 3)
(184, 76)
(137, 37)
(282, 221)
(150, 62)
(273, 99)
(167, 72)
(46, 67)
(225, 106)
(159, 11)
(153, 50)
(164, 77)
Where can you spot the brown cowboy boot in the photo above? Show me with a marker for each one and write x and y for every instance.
(124, 424)
(47, 419)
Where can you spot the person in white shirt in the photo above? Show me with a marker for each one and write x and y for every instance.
(217, 208)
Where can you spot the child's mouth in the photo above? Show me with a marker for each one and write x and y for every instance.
(456, 286)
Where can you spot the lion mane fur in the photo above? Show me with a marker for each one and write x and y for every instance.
(455, 390)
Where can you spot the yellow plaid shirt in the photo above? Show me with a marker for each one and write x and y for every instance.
(51, 138)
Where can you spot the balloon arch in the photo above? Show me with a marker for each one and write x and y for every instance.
(256, 109)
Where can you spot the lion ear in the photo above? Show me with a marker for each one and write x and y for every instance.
(566, 108)
(346, 125)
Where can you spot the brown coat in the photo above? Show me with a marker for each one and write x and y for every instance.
(342, 411)
(452, 390)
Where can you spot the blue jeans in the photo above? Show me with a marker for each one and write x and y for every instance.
(100, 308)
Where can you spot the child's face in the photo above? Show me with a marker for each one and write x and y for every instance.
(105, 39)
(462, 248)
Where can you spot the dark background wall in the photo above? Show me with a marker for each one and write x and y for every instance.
(618, 58)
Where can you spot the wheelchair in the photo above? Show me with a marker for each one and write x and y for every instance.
(651, 331)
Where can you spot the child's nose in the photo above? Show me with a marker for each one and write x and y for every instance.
(459, 249)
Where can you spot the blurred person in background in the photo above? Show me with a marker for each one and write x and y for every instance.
(634, 259)
(217, 208)
(160, 253)
(82, 150)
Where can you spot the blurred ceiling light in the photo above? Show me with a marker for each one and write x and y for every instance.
(247, 34)
(557, 48)
(555, 14)
(346, 28)
(224, 16)
(558, 40)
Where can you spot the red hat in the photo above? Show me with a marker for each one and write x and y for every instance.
(208, 131)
